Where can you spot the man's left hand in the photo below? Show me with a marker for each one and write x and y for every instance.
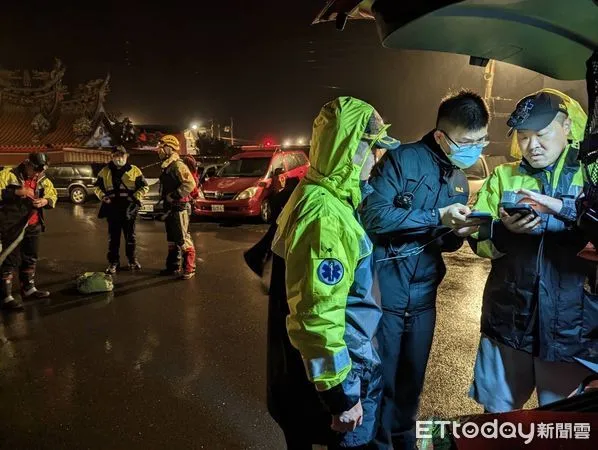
(550, 205)
(348, 420)
(40, 202)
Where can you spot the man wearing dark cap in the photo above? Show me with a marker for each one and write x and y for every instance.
(24, 193)
(536, 317)
(121, 186)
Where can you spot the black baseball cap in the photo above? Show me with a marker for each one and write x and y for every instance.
(120, 150)
(535, 112)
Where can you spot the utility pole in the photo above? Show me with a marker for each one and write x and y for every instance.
(232, 139)
(219, 135)
(489, 78)
(490, 99)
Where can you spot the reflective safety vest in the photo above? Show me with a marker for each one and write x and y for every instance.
(131, 182)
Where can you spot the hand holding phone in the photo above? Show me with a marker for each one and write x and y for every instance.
(519, 218)
(474, 220)
(523, 209)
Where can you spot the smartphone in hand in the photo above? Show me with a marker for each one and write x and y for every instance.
(523, 209)
(480, 216)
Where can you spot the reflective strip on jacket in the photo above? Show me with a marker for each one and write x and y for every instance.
(333, 316)
(132, 179)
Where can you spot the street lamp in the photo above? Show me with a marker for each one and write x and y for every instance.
(300, 141)
(286, 143)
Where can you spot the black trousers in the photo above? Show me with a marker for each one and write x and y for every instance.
(116, 227)
(24, 256)
(404, 345)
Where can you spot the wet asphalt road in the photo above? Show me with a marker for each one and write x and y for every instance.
(162, 363)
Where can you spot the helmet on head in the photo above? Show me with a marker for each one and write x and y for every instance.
(38, 160)
(171, 141)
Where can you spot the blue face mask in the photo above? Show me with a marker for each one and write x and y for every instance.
(465, 156)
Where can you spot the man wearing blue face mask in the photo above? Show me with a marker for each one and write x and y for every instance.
(417, 210)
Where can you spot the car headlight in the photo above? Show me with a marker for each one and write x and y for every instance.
(247, 193)
(200, 195)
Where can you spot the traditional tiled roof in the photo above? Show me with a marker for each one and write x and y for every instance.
(16, 131)
(35, 113)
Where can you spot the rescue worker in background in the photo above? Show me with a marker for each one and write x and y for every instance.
(537, 320)
(24, 194)
(332, 316)
(176, 184)
(121, 186)
(417, 210)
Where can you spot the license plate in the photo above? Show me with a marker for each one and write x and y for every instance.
(217, 208)
(147, 208)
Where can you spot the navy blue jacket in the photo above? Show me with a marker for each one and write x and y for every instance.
(409, 185)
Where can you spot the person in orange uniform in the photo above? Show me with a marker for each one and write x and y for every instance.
(176, 185)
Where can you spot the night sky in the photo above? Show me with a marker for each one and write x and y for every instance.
(260, 62)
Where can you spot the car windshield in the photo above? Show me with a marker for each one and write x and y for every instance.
(476, 172)
(245, 167)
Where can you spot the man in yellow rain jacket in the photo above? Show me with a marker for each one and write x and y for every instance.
(24, 194)
(121, 186)
(536, 317)
(332, 315)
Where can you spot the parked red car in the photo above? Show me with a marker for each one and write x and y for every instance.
(243, 186)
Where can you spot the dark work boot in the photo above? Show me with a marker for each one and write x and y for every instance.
(28, 288)
(112, 268)
(173, 261)
(9, 303)
(134, 265)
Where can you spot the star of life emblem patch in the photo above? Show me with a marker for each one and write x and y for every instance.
(331, 272)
